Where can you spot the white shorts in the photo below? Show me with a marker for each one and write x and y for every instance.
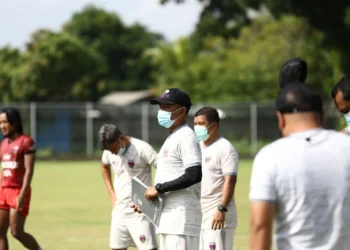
(217, 239)
(132, 231)
(178, 242)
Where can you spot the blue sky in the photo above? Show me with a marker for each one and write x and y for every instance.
(20, 18)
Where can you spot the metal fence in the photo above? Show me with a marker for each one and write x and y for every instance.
(70, 129)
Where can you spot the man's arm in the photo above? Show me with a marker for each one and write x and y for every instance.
(191, 176)
(107, 178)
(227, 194)
(262, 214)
(29, 160)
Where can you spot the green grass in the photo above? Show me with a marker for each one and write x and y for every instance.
(70, 208)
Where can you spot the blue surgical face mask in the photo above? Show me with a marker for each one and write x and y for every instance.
(347, 118)
(164, 118)
(202, 132)
(122, 149)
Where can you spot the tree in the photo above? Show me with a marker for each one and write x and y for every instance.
(60, 67)
(10, 60)
(332, 18)
(121, 46)
(245, 68)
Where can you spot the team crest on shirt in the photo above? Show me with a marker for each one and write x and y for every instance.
(6, 157)
(142, 238)
(165, 153)
(207, 159)
(131, 163)
(212, 246)
(15, 149)
(165, 94)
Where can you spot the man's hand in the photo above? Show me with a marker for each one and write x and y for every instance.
(218, 220)
(136, 209)
(113, 199)
(20, 202)
(151, 193)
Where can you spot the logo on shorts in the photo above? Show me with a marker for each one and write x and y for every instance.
(212, 246)
(207, 159)
(15, 149)
(131, 163)
(142, 238)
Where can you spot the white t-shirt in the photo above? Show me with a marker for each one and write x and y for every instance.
(218, 160)
(136, 162)
(310, 183)
(181, 214)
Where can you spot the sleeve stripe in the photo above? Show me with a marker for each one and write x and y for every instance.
(30, 152)
(193, 164)
(230, 173)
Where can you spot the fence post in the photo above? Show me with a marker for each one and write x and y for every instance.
(253, 129)
(89, 129)
(145, 121)
(32, 111)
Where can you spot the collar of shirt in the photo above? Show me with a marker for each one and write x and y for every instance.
(174, 131)
(307, 134)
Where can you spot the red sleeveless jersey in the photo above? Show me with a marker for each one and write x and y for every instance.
(12, 159)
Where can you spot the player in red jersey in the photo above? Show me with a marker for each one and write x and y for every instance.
(17, 153)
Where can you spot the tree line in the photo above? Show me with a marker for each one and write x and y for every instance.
(230, 57)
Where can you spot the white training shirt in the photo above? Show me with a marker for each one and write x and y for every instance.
(181, 214)
(135, 162)
(310, 183)
(218, 160)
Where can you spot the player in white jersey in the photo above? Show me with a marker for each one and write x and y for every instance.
(129, 157)
(341, 96)
(178, 175)
(301, 181)
(219, 176)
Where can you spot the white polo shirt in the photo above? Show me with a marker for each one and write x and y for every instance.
(218, 160)
(310, 183)
(136, 162)
(181, 214)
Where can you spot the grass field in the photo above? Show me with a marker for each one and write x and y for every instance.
(71, 210)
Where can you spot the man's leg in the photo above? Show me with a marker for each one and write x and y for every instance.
(4, 225)
(229, 237)
(120, 239)
(17, 221)
(178, 242)
(142, 232)
(217, 239)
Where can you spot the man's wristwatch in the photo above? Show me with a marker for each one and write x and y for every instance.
(157, 187)
(222, 208)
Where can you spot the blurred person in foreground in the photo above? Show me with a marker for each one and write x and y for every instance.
(341, 97)
(17, 152)
(178, 175)
(129, 157)
(219, 177)
(301, 181)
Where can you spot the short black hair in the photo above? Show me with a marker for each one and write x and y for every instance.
(344, 86)
(14, 118)
(295, 98)
(292, 71)
(211, 114)
(108, 134)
